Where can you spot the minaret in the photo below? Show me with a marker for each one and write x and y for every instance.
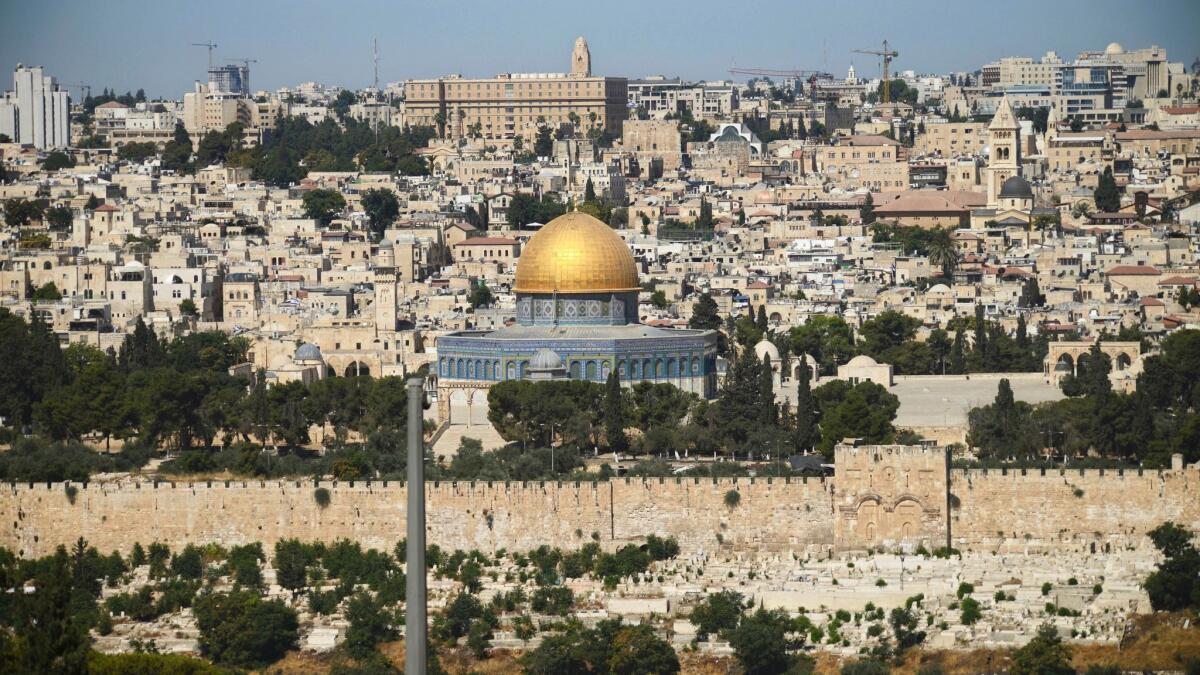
(384, 278)
(581, 59)
(1004, 137)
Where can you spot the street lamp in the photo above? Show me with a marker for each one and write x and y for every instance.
(416, 628)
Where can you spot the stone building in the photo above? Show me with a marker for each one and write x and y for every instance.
(515, 104)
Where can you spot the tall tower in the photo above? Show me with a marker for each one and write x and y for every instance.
(384, 277)
(1004, 136)
(581, 59)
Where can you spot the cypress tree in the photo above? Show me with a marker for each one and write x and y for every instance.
(867, 210)
(806, 421)
(958, 364)
(1107, 196)
(614, 418)
(980, 352)
(760, 321)
(766, 393)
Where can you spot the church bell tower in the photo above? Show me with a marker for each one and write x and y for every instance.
(1004, 162)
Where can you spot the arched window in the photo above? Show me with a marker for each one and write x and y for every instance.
(647, 369)
(510, 371)
(591, 370)
(575, 370)
(661, 370)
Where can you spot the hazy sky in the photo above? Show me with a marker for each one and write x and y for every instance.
(128, 44)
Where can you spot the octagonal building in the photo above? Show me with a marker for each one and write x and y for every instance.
(577, 298)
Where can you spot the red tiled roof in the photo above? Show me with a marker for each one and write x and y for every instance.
(1178, 281)
(105, 208)
(919, 202)
(1152, 302)
(1133, 270)
(759, 284)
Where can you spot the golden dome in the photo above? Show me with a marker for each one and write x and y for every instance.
(576, 253)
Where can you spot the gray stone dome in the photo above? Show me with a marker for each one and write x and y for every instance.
(1016, 188)
(385, 243)
(308, 352)
(545, 359)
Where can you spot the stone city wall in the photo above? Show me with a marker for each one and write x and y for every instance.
(1068, 509)
(771, 514)
(886, 497)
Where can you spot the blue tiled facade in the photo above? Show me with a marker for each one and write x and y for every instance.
(593, 335)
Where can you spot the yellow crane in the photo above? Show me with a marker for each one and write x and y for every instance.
(887, 56)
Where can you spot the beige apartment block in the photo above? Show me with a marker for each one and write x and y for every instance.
(952, 139)
(873, 162)
(515, 104)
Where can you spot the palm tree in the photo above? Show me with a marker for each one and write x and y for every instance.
(943, 252)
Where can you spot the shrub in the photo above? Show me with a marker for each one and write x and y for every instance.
(71, 491)
(122, 664)
(242, 629)
(761, 642)
(717, 613)
(970, 611)
(479, 638)
(321, 496)
(455, 621)
(370, 624)
(732, 499)
(1046, 588)
(965, 589)
(523, 627)
(555, 600)
(880, 583)
(322, 602)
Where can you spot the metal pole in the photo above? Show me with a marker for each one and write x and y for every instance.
(414, 599)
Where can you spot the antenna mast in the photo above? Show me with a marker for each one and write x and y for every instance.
(375, 43)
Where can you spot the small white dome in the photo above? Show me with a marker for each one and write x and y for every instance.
(1114, 48)
(861, 361)
(767, 348)
(545, 359)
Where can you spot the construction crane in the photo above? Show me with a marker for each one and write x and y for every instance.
(887, 56)
(211, 46)
(85, 89)
(810, 76)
